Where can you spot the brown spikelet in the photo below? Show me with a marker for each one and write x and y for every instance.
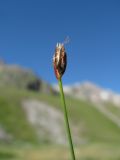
(59, 60)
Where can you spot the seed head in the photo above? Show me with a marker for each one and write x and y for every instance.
(59, 60)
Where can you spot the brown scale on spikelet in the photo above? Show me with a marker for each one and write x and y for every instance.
(59, 60)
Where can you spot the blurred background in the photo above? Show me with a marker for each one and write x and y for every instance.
(31, 118)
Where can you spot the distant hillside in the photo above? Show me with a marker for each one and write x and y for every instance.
(16, 76)
(35, 116)
(91, 92)
(32, 117)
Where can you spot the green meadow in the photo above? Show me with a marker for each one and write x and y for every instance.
(95, 151)
(101, 134)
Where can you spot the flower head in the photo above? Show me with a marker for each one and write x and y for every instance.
(59, 60)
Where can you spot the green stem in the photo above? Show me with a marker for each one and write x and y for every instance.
(66, 119)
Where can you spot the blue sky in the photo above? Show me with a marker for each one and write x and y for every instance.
(30, 29)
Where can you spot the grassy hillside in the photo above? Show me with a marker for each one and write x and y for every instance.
(12, 116)
(94, 126)
(101, 135)
(13, 75)
(98, 135)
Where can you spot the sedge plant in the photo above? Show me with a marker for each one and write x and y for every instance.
(59, 63)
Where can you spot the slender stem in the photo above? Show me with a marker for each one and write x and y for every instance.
(66, 120)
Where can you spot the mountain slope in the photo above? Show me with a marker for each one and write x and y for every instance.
(90, 91)
(87, 123)
(28, 115)
(16, 76)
